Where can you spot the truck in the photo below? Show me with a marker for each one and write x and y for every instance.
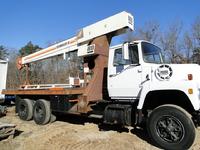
(3, 76)
(128, 84)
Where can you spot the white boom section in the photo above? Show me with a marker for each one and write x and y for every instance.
(116, 24)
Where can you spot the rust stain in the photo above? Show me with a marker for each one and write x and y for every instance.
(93, 91)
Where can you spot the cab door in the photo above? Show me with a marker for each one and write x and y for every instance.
(124, 76)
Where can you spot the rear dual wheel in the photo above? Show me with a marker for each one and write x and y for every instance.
(41, 112)
(25, 109)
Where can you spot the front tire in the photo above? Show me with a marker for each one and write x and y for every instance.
(171, 127)
(41, 112)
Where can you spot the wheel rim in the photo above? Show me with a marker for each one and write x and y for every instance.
(170, 129)
(39, 112)
(23, 110)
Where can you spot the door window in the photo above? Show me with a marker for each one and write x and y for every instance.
(118, 60)
(133, 54)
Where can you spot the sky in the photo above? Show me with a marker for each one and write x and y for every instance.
(47, 21)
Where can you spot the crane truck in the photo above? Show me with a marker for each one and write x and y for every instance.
(127, 84)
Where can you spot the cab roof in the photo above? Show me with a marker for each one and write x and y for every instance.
(132, 42)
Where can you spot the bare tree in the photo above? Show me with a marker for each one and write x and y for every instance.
(150, 31)
(3, 52)
(170, 42)
(196, 42)
(196, 30)
(188, 46)
(13, 77)
(129, 37)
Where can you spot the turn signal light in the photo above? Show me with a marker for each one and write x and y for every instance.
(190, 91)
(190, 77)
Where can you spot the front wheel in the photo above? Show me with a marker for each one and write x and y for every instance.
(171, 127)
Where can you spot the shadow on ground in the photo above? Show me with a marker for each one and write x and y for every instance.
(81, 120)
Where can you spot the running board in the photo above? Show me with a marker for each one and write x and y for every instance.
(95, 116)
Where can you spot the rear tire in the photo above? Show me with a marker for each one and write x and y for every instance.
(41, 112)
(171, 127)
(25, 109)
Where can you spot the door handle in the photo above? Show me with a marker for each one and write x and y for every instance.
(139, 70)
(112, 75)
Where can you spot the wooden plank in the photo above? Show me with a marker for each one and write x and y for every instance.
(44, 91)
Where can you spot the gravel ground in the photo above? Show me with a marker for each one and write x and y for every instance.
(76, 133)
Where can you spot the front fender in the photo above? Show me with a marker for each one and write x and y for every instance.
(183, 86)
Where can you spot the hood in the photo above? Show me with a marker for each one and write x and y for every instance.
(166, 72)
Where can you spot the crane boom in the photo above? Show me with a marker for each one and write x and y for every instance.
(114, 25)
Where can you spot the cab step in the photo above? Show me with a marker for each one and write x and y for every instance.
(95, 116)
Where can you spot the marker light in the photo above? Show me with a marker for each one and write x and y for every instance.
(190, 77)
(190, 91)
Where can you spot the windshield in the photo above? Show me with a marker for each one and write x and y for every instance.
(151, 53)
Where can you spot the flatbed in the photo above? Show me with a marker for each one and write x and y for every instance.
(50, 91)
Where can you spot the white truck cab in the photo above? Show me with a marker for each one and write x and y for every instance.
(164, 96)
(137, 69)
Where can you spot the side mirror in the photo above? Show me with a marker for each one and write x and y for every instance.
(126, 51)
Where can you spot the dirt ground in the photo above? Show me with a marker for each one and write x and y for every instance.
(71, 132)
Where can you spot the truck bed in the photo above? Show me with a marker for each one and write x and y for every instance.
(44, 90)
